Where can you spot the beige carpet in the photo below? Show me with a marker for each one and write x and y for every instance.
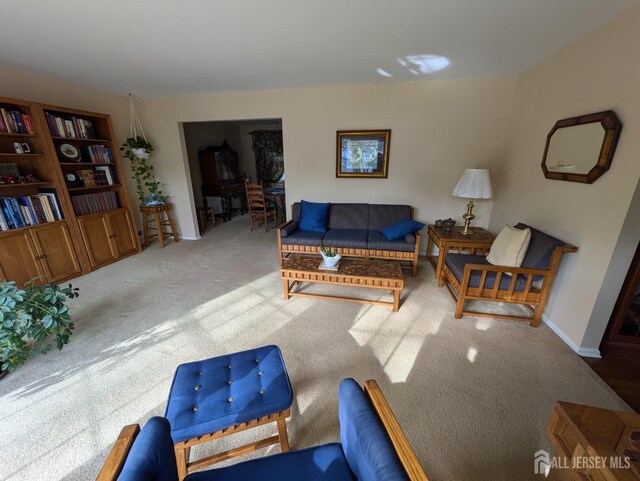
(474, 395)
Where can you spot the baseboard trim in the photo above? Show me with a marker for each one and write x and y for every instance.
(581, 351)
(191, 238)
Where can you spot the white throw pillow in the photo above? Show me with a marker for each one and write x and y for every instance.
(510, 247)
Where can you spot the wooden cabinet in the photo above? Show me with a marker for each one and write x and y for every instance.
(52, 227)
(593, 444)
(18, 257)
(108, 236)
(45, 252)
(55, 251)
(123, 233)
(622, 337)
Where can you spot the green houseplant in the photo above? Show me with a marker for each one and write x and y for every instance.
(330, 255)
(29, 318)
(137, 149)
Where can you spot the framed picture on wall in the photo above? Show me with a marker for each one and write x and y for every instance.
(362, 153)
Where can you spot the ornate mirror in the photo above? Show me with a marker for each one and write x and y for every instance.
(580, 149)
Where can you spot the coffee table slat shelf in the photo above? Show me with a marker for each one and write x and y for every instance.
(299, 268)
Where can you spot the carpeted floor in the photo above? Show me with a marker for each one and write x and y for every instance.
(473, 395)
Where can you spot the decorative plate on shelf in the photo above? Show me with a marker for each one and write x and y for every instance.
(70, 152)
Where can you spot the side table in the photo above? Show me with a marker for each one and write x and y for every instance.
(156, 212)
(479, 241)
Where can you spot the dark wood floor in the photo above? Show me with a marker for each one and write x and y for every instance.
(622, 375)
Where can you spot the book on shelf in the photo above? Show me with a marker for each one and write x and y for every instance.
(98, 154)
(23, 211)
(72, 127)
(106, 176)
(87, 177)
(93, 203)
(9, 169)
(15, 122)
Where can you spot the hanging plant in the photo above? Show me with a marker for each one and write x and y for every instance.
(137, 149)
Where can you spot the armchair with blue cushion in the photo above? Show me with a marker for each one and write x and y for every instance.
(372, 448)
(471, 277)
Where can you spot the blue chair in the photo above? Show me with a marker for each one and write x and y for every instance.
(372, 448)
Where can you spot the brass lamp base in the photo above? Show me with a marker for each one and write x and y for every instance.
(468, 217)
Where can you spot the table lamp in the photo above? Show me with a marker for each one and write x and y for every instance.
(474, 184)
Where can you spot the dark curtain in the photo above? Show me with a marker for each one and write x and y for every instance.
(267, 147)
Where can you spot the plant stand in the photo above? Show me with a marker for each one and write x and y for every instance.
(156, 212)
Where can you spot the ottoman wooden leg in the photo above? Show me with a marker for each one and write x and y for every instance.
(282, 434)
(182, 458)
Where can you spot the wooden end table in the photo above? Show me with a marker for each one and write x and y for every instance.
(479, 241)
(298, 268)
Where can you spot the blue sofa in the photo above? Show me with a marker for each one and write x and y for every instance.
(355, 230)
(372, 448)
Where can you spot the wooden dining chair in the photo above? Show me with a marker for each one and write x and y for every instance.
(260, 211)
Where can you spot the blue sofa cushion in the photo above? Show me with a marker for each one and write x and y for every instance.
(366, 446)
(400, 229)
(152, 456)
(456, 263)
(540, 249)
(379, 241)
(355, 239)
(382, 215)
(319, 463)
(303, 237)
(216, 393)
(349, 216)
(314, 216)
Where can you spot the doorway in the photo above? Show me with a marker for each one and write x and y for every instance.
(252, 149)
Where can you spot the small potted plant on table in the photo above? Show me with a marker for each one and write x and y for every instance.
(329, 255)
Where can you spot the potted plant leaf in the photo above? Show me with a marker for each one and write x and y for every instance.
(30, 318)
(137, 149)
(330, 255)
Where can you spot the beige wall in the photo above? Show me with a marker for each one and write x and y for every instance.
(598, 72)
(439, 128)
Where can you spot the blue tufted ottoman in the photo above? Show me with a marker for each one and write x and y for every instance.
(224, 395)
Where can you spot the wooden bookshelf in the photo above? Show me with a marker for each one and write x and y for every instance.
(74, 244)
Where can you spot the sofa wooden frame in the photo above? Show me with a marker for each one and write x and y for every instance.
(534, 296)
(118, 455)
(412, 257)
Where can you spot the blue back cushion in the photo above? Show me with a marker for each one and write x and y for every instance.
(401, 229)
(314, 216)
(540, 249)
(151, 457)
(366, 446)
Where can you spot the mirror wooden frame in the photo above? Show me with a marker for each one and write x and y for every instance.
(612, 128)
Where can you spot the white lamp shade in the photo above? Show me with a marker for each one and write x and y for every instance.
(474, 184)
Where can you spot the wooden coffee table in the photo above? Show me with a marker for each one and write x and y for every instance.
(298, 268)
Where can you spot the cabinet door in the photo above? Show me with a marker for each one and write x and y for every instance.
(18, 258)
(96, 236)
(123, 233)
(55, 249)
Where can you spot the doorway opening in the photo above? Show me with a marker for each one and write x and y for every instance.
(222, 155)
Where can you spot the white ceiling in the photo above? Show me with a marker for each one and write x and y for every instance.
(161, 47)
